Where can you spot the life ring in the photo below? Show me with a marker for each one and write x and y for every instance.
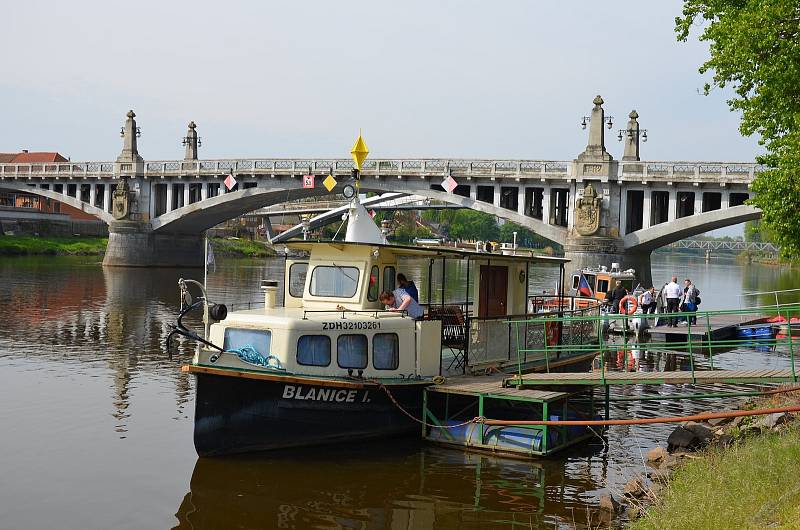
(623, 306)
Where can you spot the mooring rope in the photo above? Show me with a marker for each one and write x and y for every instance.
(421, 422)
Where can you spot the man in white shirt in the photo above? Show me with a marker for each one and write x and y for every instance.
(647, 301)
(673, 293)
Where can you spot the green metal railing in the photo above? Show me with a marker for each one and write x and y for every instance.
(704, 326)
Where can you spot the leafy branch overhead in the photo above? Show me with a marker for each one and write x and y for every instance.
(755, 51)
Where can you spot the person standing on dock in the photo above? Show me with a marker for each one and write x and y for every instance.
(617, 295)
(647, 301)
(673, 293)
(408, 286)
(690, 296)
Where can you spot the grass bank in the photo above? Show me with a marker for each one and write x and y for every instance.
(751, 484)
(241, 248)
(52, 246)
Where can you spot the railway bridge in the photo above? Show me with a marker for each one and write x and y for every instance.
(600, 209)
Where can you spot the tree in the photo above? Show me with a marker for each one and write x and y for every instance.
(471, 224)
(525, 237)
(754, 49)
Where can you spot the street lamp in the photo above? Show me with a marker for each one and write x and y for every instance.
(586, 119)
(122, 132)
(631, 132)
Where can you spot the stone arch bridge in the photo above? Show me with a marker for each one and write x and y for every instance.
(632, 206)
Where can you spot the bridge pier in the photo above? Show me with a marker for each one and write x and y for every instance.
(133, 244)
(584, 252)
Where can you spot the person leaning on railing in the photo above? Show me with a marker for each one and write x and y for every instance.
(400, 300)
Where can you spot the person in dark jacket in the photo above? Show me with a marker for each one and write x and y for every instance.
(409, 286)
(617, 295)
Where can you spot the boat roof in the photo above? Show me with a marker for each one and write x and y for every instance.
(434, 252)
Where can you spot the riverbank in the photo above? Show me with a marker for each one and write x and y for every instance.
(96, 246)
(749, 481)
(52, 246)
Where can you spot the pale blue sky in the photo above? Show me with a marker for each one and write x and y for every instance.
(506, 79)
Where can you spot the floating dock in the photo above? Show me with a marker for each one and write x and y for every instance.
(599, 378)
(713, 327)
(448, 411)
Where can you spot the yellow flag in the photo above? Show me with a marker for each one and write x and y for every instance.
(359, 151)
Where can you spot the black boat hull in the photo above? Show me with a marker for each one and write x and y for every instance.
(237, 415)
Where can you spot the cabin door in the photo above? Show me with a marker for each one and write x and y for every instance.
(493, 291)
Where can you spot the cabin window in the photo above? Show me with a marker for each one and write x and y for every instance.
(258, 339)
(385, 351)
(388, 278)
(372, 292)
(575, 280)
(334, 281)
(351, 351)
(602, 286)
(628, 284)
(314, 350)
(297, 279)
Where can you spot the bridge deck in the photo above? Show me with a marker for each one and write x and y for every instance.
(654, 378)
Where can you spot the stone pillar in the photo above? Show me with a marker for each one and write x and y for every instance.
(521, 199)
(92, 194)
(186, 186)
(672, 213)
(203, 191)
(647, 213)
(725, 200)
(192, 142)
(169, 196)
(546, 204)
(107, 197)
(631, 138)
(698, 201)
(473, 192)
(496, 198)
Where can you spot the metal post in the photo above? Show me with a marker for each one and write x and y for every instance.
(708, 332)
(430, 287)
(791, 344)
(691, 353)
(466, 293)
(443, 278)
(425, 408)
(545, 417)
(482, 426)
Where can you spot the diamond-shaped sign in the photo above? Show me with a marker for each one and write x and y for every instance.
(359, 151)
(449, 184)
(329, 183)
(230, 182)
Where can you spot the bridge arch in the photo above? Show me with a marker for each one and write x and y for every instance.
(202, 215)
(60, 197)
(663, 234)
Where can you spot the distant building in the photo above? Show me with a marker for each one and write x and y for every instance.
(14, 203)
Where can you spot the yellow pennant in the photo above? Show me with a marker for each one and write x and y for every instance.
(329, 183)
(359, 151)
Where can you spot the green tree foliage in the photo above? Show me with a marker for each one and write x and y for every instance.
(755, 50)
(471, 224)
(525, 237)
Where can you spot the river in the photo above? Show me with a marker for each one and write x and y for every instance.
(97, 419)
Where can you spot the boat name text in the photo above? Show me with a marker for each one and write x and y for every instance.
(324, 394)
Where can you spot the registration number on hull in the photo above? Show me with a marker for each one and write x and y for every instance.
(347, 325)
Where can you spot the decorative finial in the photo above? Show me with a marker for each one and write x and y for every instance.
(598, 100)
(633, 115)
(131, 114)
(192, 124)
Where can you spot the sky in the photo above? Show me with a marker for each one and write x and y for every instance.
(505, 79)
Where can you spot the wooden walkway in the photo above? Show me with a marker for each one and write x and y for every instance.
(493, 386)
(653, 378)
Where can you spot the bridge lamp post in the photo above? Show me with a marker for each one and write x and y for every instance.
(630, 133)
(608, 119)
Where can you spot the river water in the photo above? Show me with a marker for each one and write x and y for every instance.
(97, 419)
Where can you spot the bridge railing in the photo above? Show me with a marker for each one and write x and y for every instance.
(552, 169)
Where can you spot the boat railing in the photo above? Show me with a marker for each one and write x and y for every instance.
(550, 302)
(698, 338)
(493, 340)
(344, 312)
(780, 295)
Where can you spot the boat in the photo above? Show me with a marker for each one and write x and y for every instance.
(592, 283)
(332, 364)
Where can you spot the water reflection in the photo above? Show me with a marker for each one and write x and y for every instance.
(403, 486)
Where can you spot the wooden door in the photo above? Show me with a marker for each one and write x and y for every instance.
(493, 290)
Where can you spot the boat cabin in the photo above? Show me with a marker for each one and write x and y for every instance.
(332, 323)
(595, 282)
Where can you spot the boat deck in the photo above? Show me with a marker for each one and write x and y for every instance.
(654, 378)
